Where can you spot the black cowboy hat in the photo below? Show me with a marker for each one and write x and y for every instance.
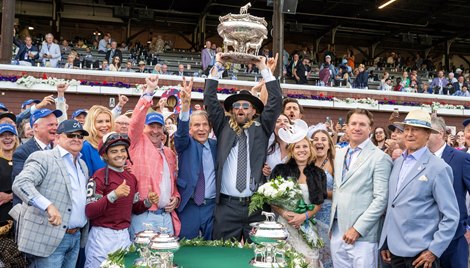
(243, 95)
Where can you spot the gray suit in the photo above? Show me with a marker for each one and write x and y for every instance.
(423, 213)
(44, 174)
(360, 199)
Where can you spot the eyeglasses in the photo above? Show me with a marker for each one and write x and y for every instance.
(244, 105)
(74, 136)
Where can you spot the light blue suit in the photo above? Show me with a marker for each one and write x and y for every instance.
(423, 213)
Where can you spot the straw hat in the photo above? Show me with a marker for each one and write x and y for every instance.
(417, 118)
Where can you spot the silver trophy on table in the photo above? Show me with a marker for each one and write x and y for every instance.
(244, 33)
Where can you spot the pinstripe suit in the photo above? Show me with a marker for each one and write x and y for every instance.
(44, 174)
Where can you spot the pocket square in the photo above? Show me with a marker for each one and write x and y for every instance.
(423, 178)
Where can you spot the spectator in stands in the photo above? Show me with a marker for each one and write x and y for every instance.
(113, 52)
(165, 69)
(142, 68)
(330, 67)
(157, 69)
(207, 58)
(102, 46)
(361, 80)
(405, 80)
(386, 84)
(250, 68)
(65, 48)
(425, 88)
(438, 83)
(128, 67)
(398, 86)
(330, 51)
(70, 61)
(50, 52)
(293, 65)
(94, 45)
(452, 78)
(351, 58)
(121, 124)
(459, 84)
(391, 60)
(104, 65)
(268, 54)
(80, 44)
(80, 115)
(301, 72)
(463, 91)
(181, 71)
(115, 66)
(27, 53)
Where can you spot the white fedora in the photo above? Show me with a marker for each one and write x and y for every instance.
(417, 118)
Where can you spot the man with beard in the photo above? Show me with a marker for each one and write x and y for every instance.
(241, 151)
(292, 108)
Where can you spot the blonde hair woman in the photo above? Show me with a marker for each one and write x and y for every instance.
(312, 181)
(99, 122)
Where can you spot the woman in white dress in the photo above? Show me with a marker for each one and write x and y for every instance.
(312, 180)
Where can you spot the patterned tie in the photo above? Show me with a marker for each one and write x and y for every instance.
(242, 162)
(199, 193)
(347, 160)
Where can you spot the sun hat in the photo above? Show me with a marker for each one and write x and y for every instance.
(417, 118)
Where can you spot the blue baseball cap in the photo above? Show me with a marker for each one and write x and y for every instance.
(8, 128)
(3, 107)
(28, 102)
(79, 112)
(43, 113)
(154, 118)
(466, 122)
(70, 126)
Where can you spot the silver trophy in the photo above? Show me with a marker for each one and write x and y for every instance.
(244, 33)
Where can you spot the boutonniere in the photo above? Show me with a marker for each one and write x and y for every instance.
(423, 178)
(257, 124)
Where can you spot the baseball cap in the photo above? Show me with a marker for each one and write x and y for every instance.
(71, 125)
(43, 113)
(8, 128)
(79, 112)
(392, 127)
(154, 118)
(466, 122)
(9, 115)
(3, 107)
(327, 56)
(28, 102)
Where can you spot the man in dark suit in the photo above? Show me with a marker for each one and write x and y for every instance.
(27, 53)
(301, 72)
(196, 172)
(113, 52)
(241, 151)
(44, 124)
(456, 255)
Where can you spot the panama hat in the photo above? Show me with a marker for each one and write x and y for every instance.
(417, 118)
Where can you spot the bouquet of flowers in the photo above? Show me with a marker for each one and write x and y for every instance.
(286, 194)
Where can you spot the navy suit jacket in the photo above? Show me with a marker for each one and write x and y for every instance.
(19, 158)
(189, 161)
(460, 163)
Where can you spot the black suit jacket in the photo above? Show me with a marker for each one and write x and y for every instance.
(258, 133)
(23, 50)
(19, 158)
(116, 53)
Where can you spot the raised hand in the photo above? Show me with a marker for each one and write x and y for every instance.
(185, 94)
(151, 84)
(261, 63)
(46, 101)
(272, 63)
(122, 190)
(61, 88)
(123, 99)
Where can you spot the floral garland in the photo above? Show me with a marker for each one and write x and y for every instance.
(29, 81)
(294, 259)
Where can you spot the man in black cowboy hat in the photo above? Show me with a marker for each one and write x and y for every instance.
(241, 150)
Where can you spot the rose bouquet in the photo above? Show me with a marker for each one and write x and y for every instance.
(286, 194)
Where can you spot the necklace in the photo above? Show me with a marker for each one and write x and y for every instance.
(324, 162)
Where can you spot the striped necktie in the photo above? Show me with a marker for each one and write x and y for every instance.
(347, 160)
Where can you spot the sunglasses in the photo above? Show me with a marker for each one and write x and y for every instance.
(244, 105)
(74, 136)
(116, 136)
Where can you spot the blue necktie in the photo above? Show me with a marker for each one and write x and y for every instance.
(347, 160)
(199, 192)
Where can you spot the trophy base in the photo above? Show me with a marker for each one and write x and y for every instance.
(242, 58)
(260, 264)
